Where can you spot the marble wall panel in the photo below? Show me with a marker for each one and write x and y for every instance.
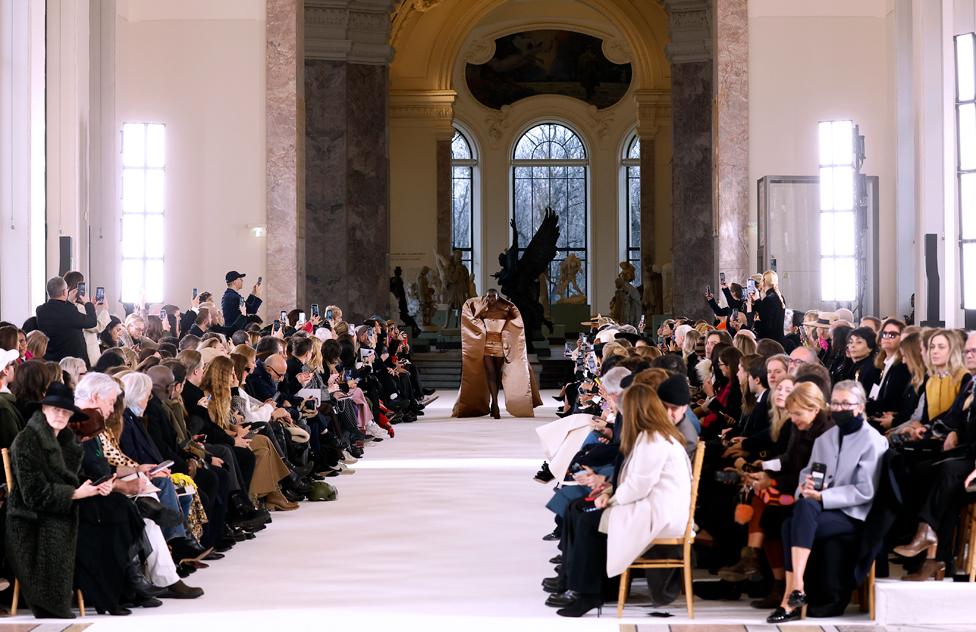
(445, 215)
(735, 218)
(347, 186)
(284, 140)
(693, 235)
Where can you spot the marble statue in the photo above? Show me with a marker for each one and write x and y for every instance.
(626, 307)
(426, 297)
(457, 284)
(569, 268)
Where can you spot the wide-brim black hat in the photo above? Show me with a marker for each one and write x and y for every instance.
(61, 396)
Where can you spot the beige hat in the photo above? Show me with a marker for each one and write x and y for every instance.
(845, 314)
(824, 320)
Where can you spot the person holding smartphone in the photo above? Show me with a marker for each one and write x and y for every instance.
(63, 319)
(238, 311)
(835, 493)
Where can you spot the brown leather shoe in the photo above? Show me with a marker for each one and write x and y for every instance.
(931, 569)
(924, 538)
(277, 501)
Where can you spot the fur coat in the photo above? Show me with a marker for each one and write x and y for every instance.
(42, 518)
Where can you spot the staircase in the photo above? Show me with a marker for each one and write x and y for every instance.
(442, 369)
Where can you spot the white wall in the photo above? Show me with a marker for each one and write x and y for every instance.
(199, 68)
(813, 60)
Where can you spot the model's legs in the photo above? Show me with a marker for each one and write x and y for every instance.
(491, 377)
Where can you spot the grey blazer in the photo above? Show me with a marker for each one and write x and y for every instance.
(853, 470)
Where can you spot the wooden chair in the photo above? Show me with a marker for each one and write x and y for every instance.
(8, 473)
(966, 541)
(685, 542)
(865, 593)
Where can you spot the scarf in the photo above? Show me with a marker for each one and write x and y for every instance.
(941, 392)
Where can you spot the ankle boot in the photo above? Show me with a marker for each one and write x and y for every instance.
(774, 598)
(137, 583)
(747, 568)
(924, 538)
(931, 569)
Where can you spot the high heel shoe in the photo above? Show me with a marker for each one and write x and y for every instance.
(924, 538)
(115, 611)
(495, 412)
(931, 569)
(582, 605)
(797, 599)
(563, 599)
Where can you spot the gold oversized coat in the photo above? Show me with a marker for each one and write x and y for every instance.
(518, 378)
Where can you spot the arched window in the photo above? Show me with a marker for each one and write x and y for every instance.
(630, 161)
(549, 169)
(464, 161)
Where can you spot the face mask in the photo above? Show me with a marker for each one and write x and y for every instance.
(846, 420)
(234, 391)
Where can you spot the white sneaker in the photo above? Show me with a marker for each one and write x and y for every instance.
(348, 458)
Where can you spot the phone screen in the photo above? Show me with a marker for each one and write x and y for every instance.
(315, 309)
(195, 292)
(162, 313)
(301, 317)
(328, 314)
(277, 324)
(260, 279)
(283, 316)
(81, 289)
(721, 277)
(99, 295)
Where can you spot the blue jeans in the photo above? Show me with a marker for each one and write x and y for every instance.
(169, 499)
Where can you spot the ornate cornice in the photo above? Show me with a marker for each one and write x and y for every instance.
(433, 108)
(356, 31)
(653, 111)
(689, 22)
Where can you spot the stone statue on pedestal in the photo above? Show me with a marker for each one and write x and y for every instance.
(569, 268)
(653, 292)
(426, 297)
(457, 284)
(626, 307)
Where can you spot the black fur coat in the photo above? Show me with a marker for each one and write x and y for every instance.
(42, 519)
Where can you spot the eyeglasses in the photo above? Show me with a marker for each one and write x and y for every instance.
(889, 334)
(844, 405)
(969, 352)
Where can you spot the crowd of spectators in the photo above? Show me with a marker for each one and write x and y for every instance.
(830, 444)
(145, 444)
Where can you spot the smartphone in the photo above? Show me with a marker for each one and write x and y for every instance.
(81, 289)
(328, 314)
(283, 316)
(347, 375)
(818, 471)
(260, 279)
(721, 277)
(315, 309)
(102, 479)
(403, 335)
(708, 289)
(309, 404)
(750, 286)
(250, 435)
(195, 292)
(159, 468)
(162, 313)
(99, 294)
(277, 325)
(130, 477)
(301, 318)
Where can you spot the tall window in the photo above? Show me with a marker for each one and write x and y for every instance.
(143, 177)
(838, 237)
(966, 147)
(463, 163)
(549, 169)
(632, 190)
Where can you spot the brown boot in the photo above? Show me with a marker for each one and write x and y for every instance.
(931, 569)
(747, 568)
(276, 501)
(924, 538)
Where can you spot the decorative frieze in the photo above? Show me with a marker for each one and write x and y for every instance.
(689, 22)
(355, 31)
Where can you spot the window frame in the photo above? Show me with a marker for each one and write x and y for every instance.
(468, 254)
(152, 290)
(830, 215)
(628, 166)
(963, 240)
(552, 163)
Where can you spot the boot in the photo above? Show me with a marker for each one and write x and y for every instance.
(747, 568)
(136, 582)
(277, 502)
(931, 569)
(773, 599)
(924, 538)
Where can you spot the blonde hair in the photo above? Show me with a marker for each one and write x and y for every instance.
(37, 344)
(216, 383)
(246, 351)
(745, 344)
(614, 348)
(315, 361)
(691, 341)
(910, 350)
(780, 415)
(771, 281)
(652, 377)
(955, 363)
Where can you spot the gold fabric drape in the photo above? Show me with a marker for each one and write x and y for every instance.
(518, 378)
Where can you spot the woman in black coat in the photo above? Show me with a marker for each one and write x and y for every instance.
(770, 310)
(42, 516)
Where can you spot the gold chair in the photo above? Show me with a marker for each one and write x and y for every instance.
(685, 542)
(8, 473)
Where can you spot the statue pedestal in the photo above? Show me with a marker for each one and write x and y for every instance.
(449, 339)
(570, 316)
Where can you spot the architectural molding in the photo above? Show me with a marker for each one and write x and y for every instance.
(653, 111)
(354, 31)
(689, 22)
(425, 107)
(615, 49)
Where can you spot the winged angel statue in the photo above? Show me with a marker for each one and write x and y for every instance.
(519, 276)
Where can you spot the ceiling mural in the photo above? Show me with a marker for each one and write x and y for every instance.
(548, 62)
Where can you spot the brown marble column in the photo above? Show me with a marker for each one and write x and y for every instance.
(285, 121)
(731, 46)
(445, 213)
(693, 244)
(653, 117)
(347, 181)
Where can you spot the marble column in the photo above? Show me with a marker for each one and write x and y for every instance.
(693, 243)
(347, 218)
(653, 117)
(731, 44)
(445, 211)
(285, 121)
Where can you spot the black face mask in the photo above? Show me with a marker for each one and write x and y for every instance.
(234, 391)
(847, 421)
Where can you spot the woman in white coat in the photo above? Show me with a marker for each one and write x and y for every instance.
(649, 499)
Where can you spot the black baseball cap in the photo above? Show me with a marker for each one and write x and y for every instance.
(233, 275)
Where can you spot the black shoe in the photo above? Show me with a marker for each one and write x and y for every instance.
(797, 599)
(428, 391)
(782, 616)
(561, 600)
(213, 557)
(152, 602)
(549, 537)
(544, 475)
(557, 560)
(136, 583)
(558, 569)
(553, 585)
(115, 611)
(582, 605)
(558, 398)
(224, 544)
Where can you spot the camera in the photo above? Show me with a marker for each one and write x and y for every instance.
(728, 477)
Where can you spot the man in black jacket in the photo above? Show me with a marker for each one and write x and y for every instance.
(231, 303)
(63, 324)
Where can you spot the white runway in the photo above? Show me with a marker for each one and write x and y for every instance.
(439, 529)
